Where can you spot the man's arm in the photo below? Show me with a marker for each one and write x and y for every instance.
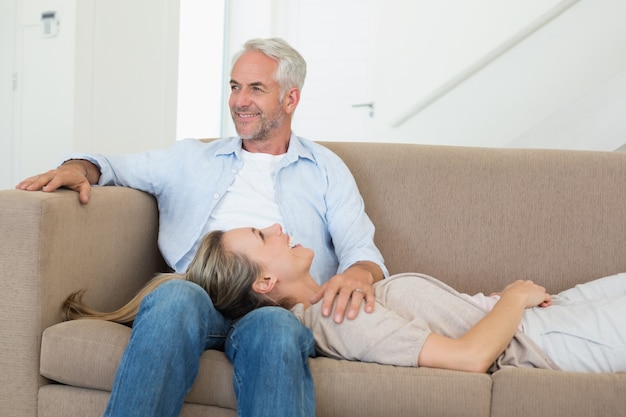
(75, 174)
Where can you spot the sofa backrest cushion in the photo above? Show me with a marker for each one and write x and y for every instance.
(479, 218)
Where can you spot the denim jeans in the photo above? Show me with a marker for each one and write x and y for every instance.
(269, 349)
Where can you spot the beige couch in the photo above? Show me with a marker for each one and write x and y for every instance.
(475, 218)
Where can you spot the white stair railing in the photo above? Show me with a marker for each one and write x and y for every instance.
(485, 60)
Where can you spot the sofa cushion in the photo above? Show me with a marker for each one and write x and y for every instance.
(349, 388)
(85, 353)
(557, 393)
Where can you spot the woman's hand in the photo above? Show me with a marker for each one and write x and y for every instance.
(534, 295)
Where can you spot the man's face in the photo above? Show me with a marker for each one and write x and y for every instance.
(255, 101)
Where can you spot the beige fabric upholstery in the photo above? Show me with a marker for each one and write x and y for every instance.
(531, 392)
(475, 218)
(51, 246)
(86, 353)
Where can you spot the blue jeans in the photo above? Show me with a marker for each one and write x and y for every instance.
(269, 349)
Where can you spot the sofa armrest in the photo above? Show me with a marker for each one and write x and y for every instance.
(51, 246)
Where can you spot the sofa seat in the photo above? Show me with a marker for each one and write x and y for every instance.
(82, 357)
(86, 353)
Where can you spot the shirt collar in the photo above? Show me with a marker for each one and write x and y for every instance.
(296, 149)
(229, 146)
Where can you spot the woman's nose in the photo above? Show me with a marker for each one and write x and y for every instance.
(276, 229)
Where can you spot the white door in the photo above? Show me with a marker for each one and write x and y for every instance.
(372, 62)
(337, 38)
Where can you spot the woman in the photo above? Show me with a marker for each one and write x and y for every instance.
(418, 320)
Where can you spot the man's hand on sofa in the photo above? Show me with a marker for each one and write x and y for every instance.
(75, 174)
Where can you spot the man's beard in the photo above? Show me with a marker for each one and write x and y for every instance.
(266, 127)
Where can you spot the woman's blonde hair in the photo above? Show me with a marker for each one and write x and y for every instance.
(227, 276)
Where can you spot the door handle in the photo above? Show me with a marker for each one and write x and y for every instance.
(369, 105)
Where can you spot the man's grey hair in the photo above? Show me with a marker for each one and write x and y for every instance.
(291, 70)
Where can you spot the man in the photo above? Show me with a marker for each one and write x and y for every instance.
(266, 175)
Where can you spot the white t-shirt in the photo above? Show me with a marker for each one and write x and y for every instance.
(251, 199)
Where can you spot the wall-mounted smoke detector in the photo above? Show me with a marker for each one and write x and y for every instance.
(50, 24)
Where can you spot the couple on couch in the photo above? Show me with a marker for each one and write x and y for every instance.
(268, 175)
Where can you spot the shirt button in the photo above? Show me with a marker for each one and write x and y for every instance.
(216, 196)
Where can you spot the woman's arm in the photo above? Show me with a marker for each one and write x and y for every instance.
(477, 349)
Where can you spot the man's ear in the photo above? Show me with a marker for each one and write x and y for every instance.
(291, 100)
(264, 284)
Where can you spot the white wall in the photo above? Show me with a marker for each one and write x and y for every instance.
(41, 69)
(134, 50)
(559, 88)
(105, 83)
(44, 97)
(594, 120)
(8, 11)
(200, 69)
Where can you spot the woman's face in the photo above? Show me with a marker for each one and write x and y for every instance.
(272, 249)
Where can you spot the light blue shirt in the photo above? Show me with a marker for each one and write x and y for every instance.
(316, 194)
